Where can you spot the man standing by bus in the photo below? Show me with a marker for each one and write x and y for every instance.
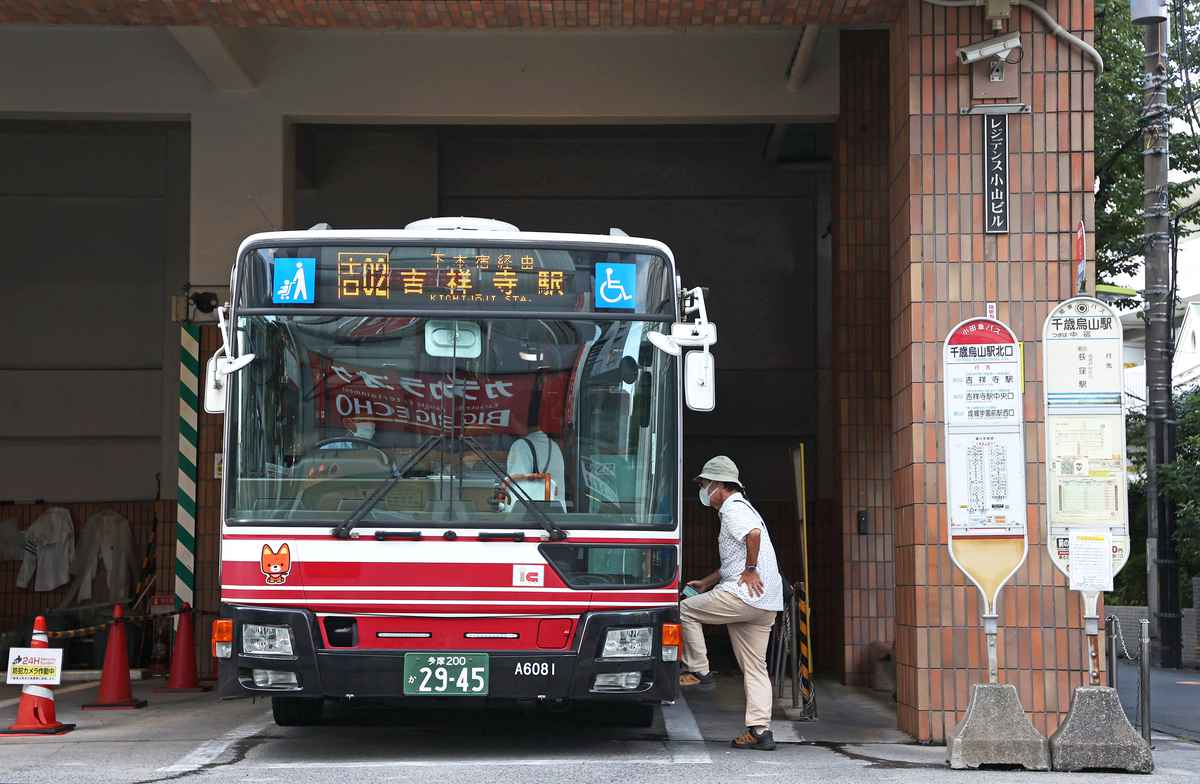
(747, 593)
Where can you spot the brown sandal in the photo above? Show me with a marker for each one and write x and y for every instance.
(759, 741)
(687, 679)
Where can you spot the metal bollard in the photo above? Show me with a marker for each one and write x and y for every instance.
(794, 608)
(1144, 691)
(1110, 630)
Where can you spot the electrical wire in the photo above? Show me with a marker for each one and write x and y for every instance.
(1047, 19)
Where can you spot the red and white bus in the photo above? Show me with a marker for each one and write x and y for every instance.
(452, 466)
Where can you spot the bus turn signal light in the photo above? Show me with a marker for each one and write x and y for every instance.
(671, 640)
(222, 638)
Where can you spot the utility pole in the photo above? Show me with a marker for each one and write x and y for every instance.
(1161, 565)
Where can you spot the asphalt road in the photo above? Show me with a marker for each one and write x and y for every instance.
(196, 738)
(1174, 699)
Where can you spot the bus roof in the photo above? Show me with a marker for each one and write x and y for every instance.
(450, 237)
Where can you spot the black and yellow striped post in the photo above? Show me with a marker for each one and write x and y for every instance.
(804, 694)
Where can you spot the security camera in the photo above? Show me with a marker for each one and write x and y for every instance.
(992, 47)
(204, 301)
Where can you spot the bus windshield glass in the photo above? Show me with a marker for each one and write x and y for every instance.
(451, 410)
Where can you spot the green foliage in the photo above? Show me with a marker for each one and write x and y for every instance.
(1181, 482)
(1118, 131)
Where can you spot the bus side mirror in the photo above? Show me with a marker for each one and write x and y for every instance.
(700, 380)
(216, 371)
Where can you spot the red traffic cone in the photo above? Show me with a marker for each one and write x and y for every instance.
(35, 714)
(115, 691)
(183, 656)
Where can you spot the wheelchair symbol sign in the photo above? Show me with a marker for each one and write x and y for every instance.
(616, 285)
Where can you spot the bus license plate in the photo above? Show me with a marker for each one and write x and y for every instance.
(446, 674)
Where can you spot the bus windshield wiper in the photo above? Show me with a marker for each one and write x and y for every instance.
(342, 530)
(556, 534)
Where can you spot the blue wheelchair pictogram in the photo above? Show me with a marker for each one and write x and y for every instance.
(295, 282)
(616, 285)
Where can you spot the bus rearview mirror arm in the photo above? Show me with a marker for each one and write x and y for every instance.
(220, 365)
(700, 333)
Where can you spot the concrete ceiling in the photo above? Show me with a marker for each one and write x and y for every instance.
(451, 14)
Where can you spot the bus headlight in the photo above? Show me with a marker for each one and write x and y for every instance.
(266, 640)
(636, 643)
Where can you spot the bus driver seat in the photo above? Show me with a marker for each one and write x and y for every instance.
(535, 462)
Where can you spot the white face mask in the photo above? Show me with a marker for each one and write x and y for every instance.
(704, 496)
(364, 430)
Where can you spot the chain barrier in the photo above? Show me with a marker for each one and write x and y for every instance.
(90, 631)
(1121, 639)
(1120, 636)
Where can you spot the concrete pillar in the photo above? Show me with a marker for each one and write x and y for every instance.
(241, 183)
(944, 268)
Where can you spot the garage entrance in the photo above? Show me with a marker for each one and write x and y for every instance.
(96, 242)
(745, 208)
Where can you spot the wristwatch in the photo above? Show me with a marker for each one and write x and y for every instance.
(751, 567)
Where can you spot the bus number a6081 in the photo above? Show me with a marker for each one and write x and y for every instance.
(535, 668)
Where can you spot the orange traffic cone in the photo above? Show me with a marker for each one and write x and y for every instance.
(183, 657)
(115, 690)
(35, 714)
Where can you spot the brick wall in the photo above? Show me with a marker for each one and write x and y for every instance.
(450, 15)
(861, 351)
(944, 269)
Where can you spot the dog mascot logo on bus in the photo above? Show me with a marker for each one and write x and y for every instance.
(276, 564)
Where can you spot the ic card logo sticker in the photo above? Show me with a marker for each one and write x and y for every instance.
(295, 282)
(276, 564)
(616, 285)
(529, 576)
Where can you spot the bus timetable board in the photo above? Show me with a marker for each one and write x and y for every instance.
(1085, 433)
(985, 453)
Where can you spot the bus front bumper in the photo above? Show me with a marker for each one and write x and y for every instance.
(567, 675)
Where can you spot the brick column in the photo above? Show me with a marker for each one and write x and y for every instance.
(944, 269)
(861, 355)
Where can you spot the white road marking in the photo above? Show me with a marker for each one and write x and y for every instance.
(57, 690)
(785, 732)
(684, 740)
(680, 721)
(207, 752)
(477, 763)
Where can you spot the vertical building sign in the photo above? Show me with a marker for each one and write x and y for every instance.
(1085, 432)
(995, 173)
(985, 460)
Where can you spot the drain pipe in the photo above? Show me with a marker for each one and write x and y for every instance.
(1047, 19)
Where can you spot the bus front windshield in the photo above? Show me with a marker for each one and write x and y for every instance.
(464, 421)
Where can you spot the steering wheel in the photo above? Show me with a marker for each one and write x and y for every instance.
(313, 447)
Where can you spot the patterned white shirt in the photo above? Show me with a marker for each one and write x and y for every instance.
(738, 519)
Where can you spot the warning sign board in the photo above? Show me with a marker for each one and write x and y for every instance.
(37, 666)
(1085, 431)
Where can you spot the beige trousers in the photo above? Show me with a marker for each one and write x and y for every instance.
(749, 630)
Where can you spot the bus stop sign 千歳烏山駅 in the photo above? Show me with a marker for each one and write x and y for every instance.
(1087, 515)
